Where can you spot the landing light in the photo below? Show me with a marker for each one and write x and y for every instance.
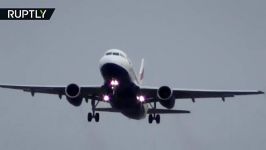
(114, 83)
(141, 98)
(106, 98)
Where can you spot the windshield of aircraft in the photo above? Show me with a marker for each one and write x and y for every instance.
(116, 54)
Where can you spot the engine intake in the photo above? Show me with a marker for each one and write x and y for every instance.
(165, 95)
(72, 92)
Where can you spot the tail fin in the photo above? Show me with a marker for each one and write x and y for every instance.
(141, 71)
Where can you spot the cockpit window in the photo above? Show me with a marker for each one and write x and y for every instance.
(116, 54)
(122, 55)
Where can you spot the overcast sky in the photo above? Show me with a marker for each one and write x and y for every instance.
(202, 44)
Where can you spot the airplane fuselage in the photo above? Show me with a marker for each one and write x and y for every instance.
(115, 66)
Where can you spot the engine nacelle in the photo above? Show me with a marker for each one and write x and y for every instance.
(73, 96)
(165, 95)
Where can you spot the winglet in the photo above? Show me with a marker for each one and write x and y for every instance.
(141, 71)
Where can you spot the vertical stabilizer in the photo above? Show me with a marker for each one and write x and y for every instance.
(141, 71)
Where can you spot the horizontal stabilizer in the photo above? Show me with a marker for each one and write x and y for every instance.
(167, 111)
(106, 109)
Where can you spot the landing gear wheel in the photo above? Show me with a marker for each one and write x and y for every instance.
(89, 117)
(154, 116)
(97, 117)
(157, 118)
(150, 118)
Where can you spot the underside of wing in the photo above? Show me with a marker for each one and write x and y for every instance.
(179, 94)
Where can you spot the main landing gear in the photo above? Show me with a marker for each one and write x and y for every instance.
(93, 115)
(154, 116)
(96, 116)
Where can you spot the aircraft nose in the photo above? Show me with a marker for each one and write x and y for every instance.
(105, 60)
(110, 59)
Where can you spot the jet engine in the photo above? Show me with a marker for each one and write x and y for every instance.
(166, 97)
(73, 96)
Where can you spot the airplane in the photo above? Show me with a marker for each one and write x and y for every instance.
(123, 90)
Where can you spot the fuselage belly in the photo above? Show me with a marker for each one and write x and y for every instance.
(124, 96)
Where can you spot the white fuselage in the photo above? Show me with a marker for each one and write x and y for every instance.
(116, 65)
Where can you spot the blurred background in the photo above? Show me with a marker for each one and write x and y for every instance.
(217, 44)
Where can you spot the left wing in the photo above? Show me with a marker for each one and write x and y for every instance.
(85, 91)
(151, 93)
